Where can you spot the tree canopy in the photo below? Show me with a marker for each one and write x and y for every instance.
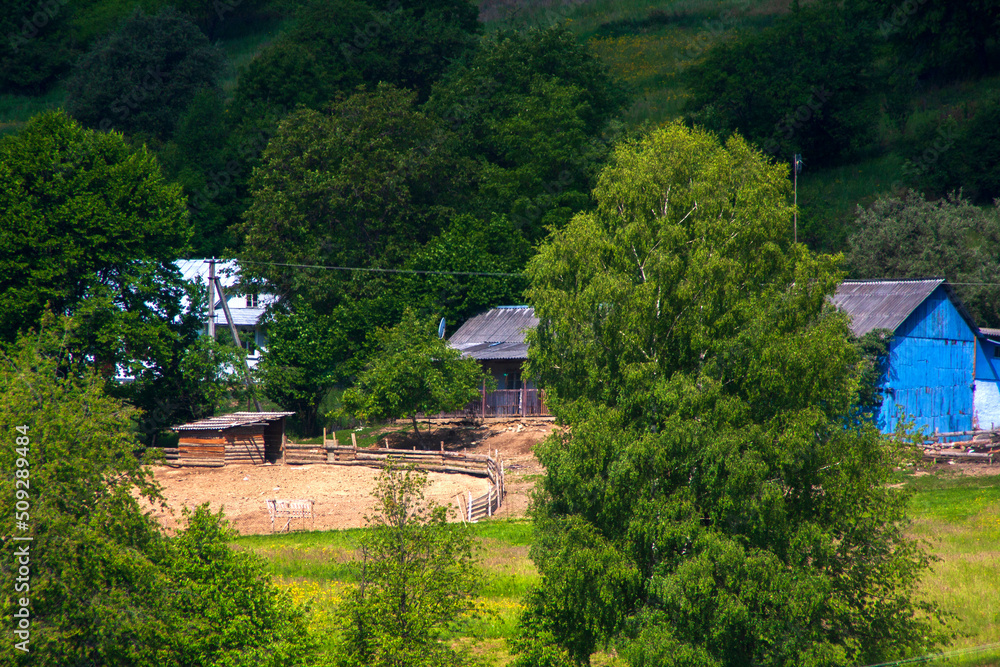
(906, 236)
(412, 371)
(416, 576)
(142, 76)
(107, 585)
(701, 508)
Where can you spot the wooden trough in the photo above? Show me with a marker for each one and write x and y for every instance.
(239, 437)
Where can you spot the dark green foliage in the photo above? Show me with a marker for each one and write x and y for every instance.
(144, 75)
(958, 154)
(307, 355)
(710, 480)
(337, 46)
(415, 578)
(411, 371)
(357, 186)
(906, 236)
(107, 586)
(37, 44)
(469, 244)
(806, 85)
(940, 38)
(535, 108)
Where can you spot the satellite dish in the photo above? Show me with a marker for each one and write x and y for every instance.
(441, 329)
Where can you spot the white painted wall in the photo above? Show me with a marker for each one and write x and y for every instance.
(987, 404)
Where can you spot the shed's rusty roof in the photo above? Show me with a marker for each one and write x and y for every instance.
(885, 304)
(496, 334)
(222, 422)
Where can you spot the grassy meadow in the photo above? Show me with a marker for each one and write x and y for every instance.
(957, 515)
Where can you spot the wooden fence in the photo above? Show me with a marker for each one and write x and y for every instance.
(523, 402)
(479, 465)
(978, 446)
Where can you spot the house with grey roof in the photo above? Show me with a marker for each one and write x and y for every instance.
(942, 372)
(496, 340)
(247, 309)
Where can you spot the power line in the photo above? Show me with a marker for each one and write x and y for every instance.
(495, 274)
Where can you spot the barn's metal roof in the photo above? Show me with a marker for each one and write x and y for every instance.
(222, 422)
(496, 334)
(885, 304)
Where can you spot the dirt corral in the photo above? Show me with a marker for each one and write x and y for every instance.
(342, 493)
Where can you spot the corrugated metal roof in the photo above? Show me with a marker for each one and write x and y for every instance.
(197, 270)
(222, 422)
(505, 324)
(989, 332)
(241, 316)
(881, 304)
(483, 351)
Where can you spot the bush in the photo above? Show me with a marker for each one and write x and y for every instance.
(143, 76)
(806, 85)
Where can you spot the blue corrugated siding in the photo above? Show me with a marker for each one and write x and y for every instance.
(931, 369)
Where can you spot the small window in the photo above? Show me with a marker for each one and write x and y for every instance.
(252, 300)
(996, 351)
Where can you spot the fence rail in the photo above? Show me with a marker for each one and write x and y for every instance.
(523, 402)
(479, 465)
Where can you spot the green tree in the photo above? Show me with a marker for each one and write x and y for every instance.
(412, 371)
(822, 106)
(535, 109)
(142, 77)
(358, 186)
(416, 576)
(340, 45)
(468, 244)
(906, 236)
(701, 508)
(106, 585)
(305, 359)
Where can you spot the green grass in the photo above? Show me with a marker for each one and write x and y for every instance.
(959, 516)
(315, 568)
(15, 110)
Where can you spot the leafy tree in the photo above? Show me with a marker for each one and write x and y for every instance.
(761, 85)
(416, 577)
(906, 236)
(338, 46)
(91, 229)
(358, 186)
(534, 107)
(701, 508)
(412, 371)
(942, 38)
(107, 586)
(144, 75)
(305, 359)
(467, 244)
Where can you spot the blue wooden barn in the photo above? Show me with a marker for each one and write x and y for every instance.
(939, 361)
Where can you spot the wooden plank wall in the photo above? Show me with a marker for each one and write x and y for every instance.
(242, 444)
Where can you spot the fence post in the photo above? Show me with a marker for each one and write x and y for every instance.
(469, 506)
(524, 399)
(354, 441)
(483, 413)
(324, 436)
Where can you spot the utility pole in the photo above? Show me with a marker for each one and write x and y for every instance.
(796, 168)
(211, 298)
(236, 340)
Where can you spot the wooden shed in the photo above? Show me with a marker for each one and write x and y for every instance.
(240, 437)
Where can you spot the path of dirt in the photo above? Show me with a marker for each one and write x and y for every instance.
(342, 493)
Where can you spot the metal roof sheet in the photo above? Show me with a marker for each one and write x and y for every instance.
(197, 270)
(884, 304)
(222, 422)
(241, 316)
(483, 351)
(505, 324)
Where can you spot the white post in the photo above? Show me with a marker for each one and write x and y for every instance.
(211, 298)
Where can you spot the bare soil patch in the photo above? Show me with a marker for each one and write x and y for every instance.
(342, 494)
